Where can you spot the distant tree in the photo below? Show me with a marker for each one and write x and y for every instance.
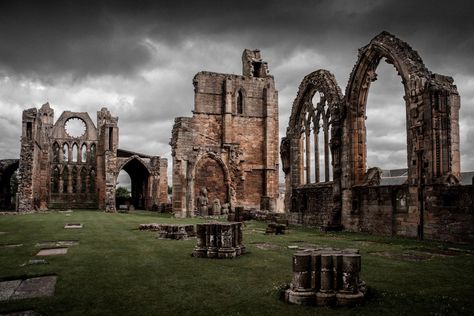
(122, 192)
(170, 189)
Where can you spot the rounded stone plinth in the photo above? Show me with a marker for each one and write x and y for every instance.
(344, 299)
(300, 298)
(225, 253)
(325, 299)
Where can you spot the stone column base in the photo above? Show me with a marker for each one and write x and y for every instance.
(349, 299)
(300, 298)
(325, 299)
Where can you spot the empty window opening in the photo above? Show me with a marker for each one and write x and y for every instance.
(83, 180)
(55, 180)
(92, 153)
(240, 103)
(56, 153)
(111, 138)
(84, 153)
(65, 152)
(29, 130)
(65, 180)
(315, 154)
(257, 68)
(75, 152)
(74, 181)
(386, 121)
(92, 181)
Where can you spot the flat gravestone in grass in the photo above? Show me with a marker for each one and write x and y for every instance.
(11, 245)
(73, 226)
(58, 243)
(52, 252)
(30, 288)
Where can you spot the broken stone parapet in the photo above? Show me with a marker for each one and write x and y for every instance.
(326, 277)
(219, 240)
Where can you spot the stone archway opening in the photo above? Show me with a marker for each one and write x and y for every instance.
(210, 174)
(8, 187)
(139, 183)
(386, 124)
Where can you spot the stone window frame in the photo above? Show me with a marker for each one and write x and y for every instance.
(311, 116)
(240, 91)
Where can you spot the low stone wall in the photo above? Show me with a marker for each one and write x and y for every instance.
(311, 204)
(449, 213)
(326, 277)
(170, 231)
(219, 240)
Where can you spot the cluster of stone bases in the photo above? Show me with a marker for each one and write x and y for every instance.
(326, 277)
(171, 231)
(219, 240)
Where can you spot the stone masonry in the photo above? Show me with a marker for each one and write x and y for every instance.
(62, 166)
(230, 145)
(431, 203)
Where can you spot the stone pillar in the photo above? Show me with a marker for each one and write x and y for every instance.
(326, 295)
(349, 293)
(301, 291)
(211, 240)
(226, 250)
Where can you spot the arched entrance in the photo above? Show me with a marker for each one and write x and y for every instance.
(8, 183)
(432, 131)
(139, 187)
(209, 173)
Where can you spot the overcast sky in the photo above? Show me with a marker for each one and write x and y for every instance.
(138, 59)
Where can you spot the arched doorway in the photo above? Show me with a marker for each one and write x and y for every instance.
(8, 184)
(139, 183)
(209, 173)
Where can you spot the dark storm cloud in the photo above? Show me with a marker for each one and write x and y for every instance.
(139, 57)
(97, 37)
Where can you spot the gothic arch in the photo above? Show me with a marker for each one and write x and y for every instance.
(140, 175)
(420, 85)
(304, 113)
(218, 187)
(240, 96)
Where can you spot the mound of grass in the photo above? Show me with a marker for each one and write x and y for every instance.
(118, 270)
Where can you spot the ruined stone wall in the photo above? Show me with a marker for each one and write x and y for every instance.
(418, 208)
(59, 169)
(449, 213)
(311, 205)
(163, 182)
(235, 130)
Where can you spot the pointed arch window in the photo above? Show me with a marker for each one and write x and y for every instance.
(92, 181)
(65, 152)
(240, 102)
(83, 180)
(84, 153)
(74, 180)
(65, 179)
(55, 179)
(75, 152)
(93, 153)
(56, 153)
(315, 140)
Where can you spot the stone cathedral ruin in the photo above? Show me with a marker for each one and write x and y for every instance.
(74, 164)
(431, 202)
(226, 155)
(228, 151)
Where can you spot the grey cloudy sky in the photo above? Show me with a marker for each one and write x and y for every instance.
(138, 58)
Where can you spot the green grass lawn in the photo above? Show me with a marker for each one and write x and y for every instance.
(119, 270)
